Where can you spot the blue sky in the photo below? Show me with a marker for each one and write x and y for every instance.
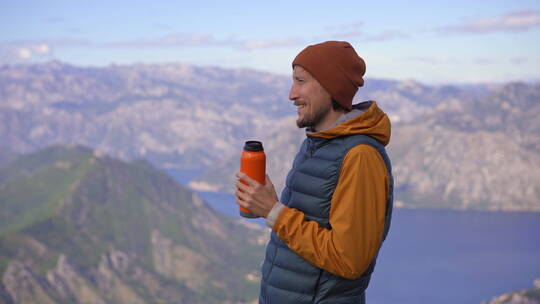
(428, 41)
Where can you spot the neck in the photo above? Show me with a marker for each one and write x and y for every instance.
(329, 119)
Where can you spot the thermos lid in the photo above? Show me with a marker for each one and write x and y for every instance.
(253, 146)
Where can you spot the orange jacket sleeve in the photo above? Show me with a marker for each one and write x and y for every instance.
(356, 215)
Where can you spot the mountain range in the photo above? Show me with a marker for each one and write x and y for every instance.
(472, 154)
(453, 146)
(77, 226)
(175, 115)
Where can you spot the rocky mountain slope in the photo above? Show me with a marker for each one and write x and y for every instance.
(453, 146)
(176, 116)
(173, 115)
(77, 226)
(481, 155)
(471, 154)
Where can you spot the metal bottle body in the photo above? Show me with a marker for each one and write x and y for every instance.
(253, 163)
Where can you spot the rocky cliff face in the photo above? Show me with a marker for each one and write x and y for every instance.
(458, 147)
(176, 116)
(475, 154)
(480, 155)
(77, 226)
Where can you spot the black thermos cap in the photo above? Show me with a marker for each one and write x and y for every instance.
(253, 146)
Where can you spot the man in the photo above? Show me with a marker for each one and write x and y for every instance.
(335, 210)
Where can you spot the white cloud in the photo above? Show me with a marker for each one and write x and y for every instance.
(24, 53)
(510, 22)
(42, 49)
(15, 53)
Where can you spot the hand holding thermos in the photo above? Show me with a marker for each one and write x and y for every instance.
(255, 193)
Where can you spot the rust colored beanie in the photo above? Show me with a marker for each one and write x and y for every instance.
(336, 66)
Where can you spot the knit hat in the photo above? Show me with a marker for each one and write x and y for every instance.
(336, 66)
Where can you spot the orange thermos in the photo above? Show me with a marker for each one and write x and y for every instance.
(253, 163)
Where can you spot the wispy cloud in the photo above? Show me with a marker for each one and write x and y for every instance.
(423, 59)
(519, 60)
(516, 21)
(357, 31)
(484, 61)
(262, 44)
(15, 53)
(387, 36)
(344, 31)
(172, 40)
(345, 27)
(205, 40)
(499, 61)
(55, 19)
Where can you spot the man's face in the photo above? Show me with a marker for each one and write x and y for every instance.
(312, 100)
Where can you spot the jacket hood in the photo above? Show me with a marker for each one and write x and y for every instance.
(365, 118)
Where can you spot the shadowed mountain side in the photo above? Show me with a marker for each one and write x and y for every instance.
(79, 227)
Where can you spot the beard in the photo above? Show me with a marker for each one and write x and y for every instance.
(313, 118)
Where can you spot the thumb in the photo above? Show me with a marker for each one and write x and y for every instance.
(268, 180)
(271, 187)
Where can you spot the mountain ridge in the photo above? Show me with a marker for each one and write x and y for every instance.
(478, 154)
(102, 230)
(187, 117)
(167, 113)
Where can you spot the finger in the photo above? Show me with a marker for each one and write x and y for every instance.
(246, 178)
(242, 203)
(241, 195)
(240, 185)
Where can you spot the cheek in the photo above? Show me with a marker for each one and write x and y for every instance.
(322, 94)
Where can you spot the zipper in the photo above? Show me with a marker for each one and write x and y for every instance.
(311, 146)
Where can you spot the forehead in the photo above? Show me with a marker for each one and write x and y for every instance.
(299, 71)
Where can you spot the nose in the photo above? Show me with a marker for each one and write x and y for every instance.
(293, 94)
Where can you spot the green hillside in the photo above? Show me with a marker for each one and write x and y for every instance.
(77, 226)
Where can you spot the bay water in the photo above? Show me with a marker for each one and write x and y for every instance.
(444, 256)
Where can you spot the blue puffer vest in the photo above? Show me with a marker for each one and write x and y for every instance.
(286, 277)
